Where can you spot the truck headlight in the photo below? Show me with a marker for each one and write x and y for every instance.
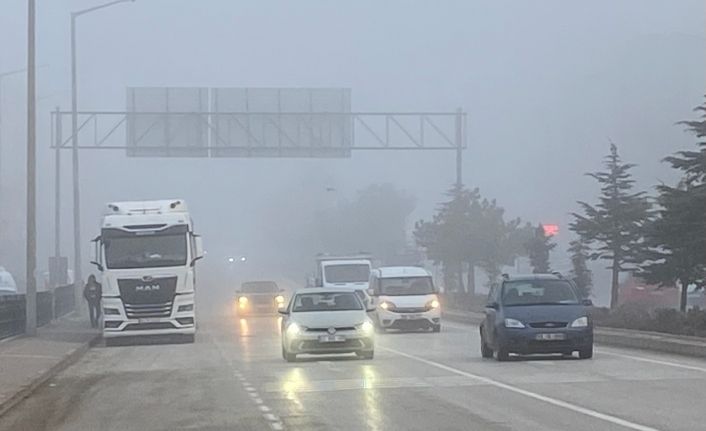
(513, 323)
(433, 304)
(293, 329)
(243, 301)
(279, 300)
(386, 305)
(581, 322)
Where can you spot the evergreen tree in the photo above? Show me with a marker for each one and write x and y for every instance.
(615, 225)
(538, 248)
(580, 274)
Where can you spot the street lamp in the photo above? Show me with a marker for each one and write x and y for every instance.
(74, 142)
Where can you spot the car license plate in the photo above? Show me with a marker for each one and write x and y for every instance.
(411, 316)
(149, 320)
(551, 337)
(331, 338)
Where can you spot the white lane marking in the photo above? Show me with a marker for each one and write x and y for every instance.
(652, 361)
(253, 394)
(264, 409)
(250, 389)
(270, 417)
(257, 400)
(277, 426)
(559, 403)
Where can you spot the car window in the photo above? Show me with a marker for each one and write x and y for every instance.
(406, 286)
(538, 292)
(343, 301)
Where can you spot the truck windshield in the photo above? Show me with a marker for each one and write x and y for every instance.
(148, 251)
(406, 286)
(348, 273)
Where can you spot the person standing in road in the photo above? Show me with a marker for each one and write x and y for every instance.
(93, 292)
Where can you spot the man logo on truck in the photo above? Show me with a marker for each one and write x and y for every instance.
(147, 288)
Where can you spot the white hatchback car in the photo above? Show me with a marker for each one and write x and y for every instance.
(326, 321)
(406, 298)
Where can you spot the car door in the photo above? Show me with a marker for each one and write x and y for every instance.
(491, 311)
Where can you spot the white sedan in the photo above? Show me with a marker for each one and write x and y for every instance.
(326, 321)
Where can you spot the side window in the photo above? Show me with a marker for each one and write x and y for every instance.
(493, 295)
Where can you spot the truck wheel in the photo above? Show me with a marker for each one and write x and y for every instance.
(586, 353)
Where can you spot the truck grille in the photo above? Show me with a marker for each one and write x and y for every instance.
(137, 311)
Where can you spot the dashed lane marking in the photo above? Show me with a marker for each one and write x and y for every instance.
(553, 401)
(652, 361)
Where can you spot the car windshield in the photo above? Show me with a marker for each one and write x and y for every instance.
(259, 287)
(406, 286)
(148, 251)
(348, 273)
(343, 301)
(538, 292)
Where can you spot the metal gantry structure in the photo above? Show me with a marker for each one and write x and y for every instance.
(251, 135)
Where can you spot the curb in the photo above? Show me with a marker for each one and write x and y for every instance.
(652, 341)
(24, 392)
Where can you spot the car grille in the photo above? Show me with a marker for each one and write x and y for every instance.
(548, 325)
(341, 328)
(315, 345)
(137, 311)
(409, 310)
(262, 300)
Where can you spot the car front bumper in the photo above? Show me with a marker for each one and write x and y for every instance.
(309, 343)
(525, 341)
(390, 319)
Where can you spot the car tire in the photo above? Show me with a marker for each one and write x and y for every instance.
(502, 354)
(289, 357)
(485, 350)
(586, 353)
(380, 329)
(366, 355)
(437, 328)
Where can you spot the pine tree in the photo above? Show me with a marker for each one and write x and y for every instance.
(678, 235)
(615, 225)
(538, 248)
(580, 274)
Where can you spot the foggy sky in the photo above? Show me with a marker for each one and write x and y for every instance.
(546, 84)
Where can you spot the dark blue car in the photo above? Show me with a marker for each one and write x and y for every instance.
(536, 314)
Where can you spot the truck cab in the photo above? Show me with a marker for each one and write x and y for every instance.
(348, 272)
(147, 253)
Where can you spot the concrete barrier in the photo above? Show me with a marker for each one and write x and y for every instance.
(653, 341)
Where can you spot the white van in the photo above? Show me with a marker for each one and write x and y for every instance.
(405, 298)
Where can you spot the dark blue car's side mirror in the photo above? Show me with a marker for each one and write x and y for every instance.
(587, 303)
(493, 305)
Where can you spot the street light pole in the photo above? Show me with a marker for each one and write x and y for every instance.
(31, 290)
(4, 75)
(78, 276)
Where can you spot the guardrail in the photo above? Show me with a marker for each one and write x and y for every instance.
(50, 305)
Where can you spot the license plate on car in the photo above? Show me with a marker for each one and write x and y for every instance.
(411, 316)
(551, 337)
(331, 338)
(149, 320)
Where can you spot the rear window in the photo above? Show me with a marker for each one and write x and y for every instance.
(259, 287)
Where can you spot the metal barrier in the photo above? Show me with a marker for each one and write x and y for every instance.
(50, 305)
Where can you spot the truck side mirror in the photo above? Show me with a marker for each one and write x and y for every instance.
(98, 265)
(198, 249)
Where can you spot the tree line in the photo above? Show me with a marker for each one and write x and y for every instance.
(661, 238)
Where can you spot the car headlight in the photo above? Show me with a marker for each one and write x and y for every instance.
(111, 311)
(386, 305)
(293, 329)
(581, 322)
(433, 304)
(279, 299)
(366, 327)
(187, 307)
(513, 323)
(243, 301)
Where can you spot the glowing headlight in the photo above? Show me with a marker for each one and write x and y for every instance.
(581, 322)
(279, 299)
(434, 303)
(243, 301)
(366, 327)
(513, 323)
(293, 329)
(387, 305)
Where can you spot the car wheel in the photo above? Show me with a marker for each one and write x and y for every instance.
(485, 350)
(586, 353)
(366, 355)
(502, 354)
(437, 327)
(380, 329)
(289, 357)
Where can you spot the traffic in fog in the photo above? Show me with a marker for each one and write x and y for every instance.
(369, 215)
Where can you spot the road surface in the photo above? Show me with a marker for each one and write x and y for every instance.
(233, 378)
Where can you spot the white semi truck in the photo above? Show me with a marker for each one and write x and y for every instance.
(147, 253)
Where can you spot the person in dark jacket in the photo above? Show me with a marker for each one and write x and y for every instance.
(93, 292)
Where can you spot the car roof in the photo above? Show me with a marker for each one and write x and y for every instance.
(529, 277)
(401, 271)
